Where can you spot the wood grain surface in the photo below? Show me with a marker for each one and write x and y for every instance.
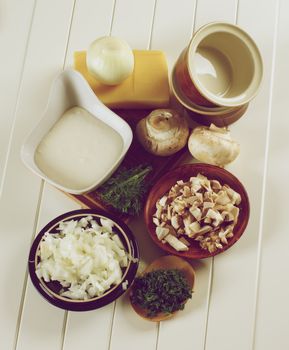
(240, 300)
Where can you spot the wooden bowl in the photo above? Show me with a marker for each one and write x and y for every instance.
(166, 263)
(184, 172)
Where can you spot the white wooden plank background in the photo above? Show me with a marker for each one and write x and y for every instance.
(15, 25)
(235, 272)
(241, 299)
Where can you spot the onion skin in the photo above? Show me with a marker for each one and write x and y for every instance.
(110, 60)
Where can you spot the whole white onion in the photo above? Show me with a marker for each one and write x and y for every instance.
(110, 60)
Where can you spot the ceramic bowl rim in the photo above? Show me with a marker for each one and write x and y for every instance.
(95, 303)
(217, 111)
(202, 168)
(242, 35)
(123, 129)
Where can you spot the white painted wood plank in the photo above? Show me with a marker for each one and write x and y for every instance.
(93, 328)
(42, 323)
(128, 328)
(89, 330)
(189, 324)
(14, 31)
(173, 27)
(136, 29)
(92, 19)
(188, 327)
(232, 304)
(19, 201)
(75, 331)
(133, 21)
(215, 11)
(227, 284)
(273, 306)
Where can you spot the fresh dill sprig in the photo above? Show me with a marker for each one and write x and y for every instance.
(126, 189)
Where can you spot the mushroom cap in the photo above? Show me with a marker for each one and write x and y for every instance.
(213, 145)
(163, 132)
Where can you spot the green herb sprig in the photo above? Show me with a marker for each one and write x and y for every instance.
(161, 291)
(126, 189)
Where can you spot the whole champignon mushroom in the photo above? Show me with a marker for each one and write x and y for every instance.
(163, 132)
(213, 145)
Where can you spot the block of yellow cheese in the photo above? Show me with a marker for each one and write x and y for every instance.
(147, 87)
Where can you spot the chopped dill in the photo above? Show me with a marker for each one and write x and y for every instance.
(161, 291)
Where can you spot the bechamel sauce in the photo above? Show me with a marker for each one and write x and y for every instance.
(78, 150)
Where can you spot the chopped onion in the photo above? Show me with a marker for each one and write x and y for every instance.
(85, 257)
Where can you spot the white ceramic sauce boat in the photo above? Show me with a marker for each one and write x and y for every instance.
(70, 89)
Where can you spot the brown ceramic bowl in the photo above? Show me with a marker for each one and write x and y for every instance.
(220, 116)
(184, 173)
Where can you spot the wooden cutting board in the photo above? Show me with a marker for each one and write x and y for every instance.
(136, 155)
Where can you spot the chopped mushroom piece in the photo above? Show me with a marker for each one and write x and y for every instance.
(223, 198)
(204, 229)
(159, 211)
(186, 191)
(196, 187)
(195, 227)
(222, 235)
(186, 242)
(180, 231)
(176, 221)
(188, 218)
(207, 185)
(176, 243)
(235, 212)
(196, 213)
(227, 216)
(169, 213)
(161, 232)
(235, 196)
(216, 216)
(163, 201)
(179, 206)
(156, 221)
(215, 184)
(207, 205)
(207, 220)
(200, 209)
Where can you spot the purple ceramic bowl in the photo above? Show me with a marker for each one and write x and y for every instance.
(50, 290)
